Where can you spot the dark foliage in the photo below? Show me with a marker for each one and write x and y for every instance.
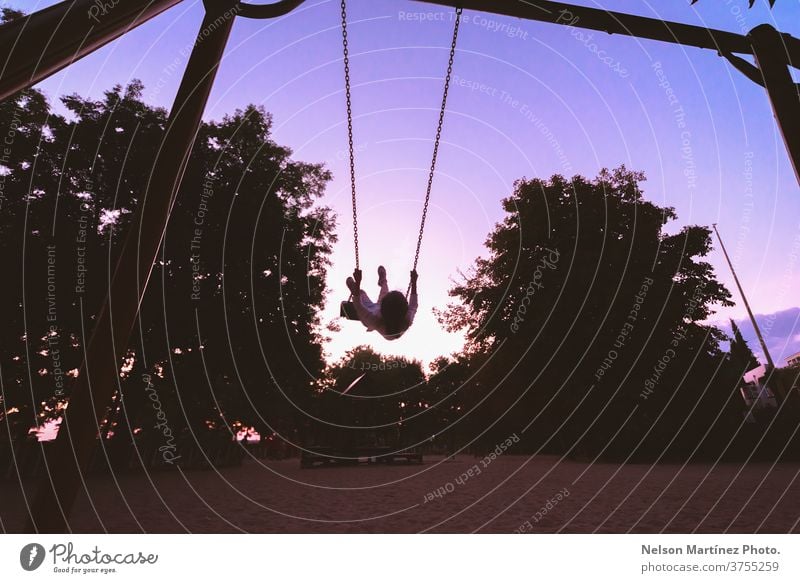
(592, 315)
(228, 332)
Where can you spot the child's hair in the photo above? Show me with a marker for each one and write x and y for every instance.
(394, 308)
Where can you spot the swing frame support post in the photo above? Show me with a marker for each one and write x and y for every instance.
(774, 51)
(771, 56)
(99, 374)
(41, 44)
(45, 42)
(38, 46)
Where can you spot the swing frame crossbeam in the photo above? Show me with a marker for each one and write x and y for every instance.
(775, 52)
(43, 43)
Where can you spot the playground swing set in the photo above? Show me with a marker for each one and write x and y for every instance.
(347, 308)
(43, 43)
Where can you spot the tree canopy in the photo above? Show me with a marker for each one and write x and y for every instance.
(593, 315)
(229, 330)
(585, 321)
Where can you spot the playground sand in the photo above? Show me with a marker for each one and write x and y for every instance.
(510, 493)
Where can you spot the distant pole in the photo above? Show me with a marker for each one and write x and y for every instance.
(770, 364)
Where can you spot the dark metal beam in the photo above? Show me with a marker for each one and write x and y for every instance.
(612, 23)
(771, 51)
(43, 43)
(268, 10)
(97, 380)
(774, 51)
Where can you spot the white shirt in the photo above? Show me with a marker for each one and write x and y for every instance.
(370, 314)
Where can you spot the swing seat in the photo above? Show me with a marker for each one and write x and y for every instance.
(348, 310)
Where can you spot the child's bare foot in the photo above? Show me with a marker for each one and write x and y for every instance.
(352, 286)
(381, 275)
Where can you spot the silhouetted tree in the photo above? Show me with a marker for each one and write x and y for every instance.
(229, 331)
(740, 354)
(369, 398)
(9, 14)
(592, 317)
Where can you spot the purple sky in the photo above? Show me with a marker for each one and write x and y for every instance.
(529, 99)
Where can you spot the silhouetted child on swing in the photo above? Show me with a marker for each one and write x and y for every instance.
(392, 315)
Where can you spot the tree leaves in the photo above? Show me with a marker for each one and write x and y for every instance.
(229, 328)
(589, 303)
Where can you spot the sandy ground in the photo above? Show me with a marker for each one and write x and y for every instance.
(279, 497)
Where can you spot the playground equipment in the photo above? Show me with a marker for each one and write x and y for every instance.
(47, 41)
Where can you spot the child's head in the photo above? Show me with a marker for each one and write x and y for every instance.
(394, 309)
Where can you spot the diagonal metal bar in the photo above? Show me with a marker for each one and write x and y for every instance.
(745, 68)
(78, 434)
(46, 41)
(34, 47)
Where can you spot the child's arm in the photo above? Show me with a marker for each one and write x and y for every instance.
(412, 300)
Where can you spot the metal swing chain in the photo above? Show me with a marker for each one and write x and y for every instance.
(438, 138)
(350, 126)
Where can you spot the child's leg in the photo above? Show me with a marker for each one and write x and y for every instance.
(366, 302)
(382, 283)
(384, 291)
